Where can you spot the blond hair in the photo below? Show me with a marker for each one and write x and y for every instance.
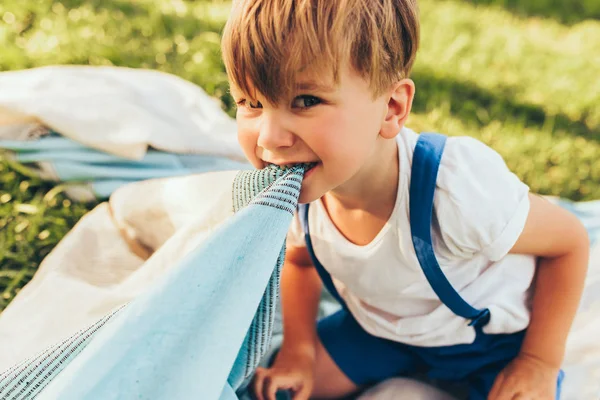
(267, 42)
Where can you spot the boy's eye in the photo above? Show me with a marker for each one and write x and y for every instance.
(254, 105)
(305, 101)
(249, 104)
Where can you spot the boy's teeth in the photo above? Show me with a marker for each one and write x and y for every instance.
(288, 166)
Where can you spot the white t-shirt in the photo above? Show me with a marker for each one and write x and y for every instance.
(480, 209)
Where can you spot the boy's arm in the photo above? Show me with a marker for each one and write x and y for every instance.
(562, 245)
(300, 291)
(293, 368)
(561, 242)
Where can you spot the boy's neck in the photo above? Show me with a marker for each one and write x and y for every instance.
(374, 188)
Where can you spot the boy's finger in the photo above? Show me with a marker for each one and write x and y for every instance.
(493, 395)
(275, 383)
(505, 393)
(303, 393)
(269, 388)
(257, 385)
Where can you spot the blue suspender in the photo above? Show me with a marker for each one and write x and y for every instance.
(425, 165)
(426, 161)
(325, 276)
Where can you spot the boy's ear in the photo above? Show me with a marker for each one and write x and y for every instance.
(398, 108)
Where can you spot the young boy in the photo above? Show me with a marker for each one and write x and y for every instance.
(325, 82)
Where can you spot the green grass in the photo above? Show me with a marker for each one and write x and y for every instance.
(520, 75)
(34, 216)
(566, 11)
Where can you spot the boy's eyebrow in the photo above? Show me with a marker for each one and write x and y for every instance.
(312, 86)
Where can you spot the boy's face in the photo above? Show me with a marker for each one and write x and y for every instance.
(335, 126)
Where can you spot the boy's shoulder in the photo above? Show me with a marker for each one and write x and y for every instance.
(458, 150)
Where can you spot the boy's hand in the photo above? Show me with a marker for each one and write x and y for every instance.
(292, 370)
(526, 378)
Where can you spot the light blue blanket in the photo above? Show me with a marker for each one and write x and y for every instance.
(199, 332)
(57, 158)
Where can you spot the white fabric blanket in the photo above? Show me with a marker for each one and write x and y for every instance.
(117, 250)
(119, 110)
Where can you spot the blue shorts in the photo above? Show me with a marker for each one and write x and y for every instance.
(366, 359)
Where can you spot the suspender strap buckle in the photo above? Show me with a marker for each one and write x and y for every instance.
(482, 319)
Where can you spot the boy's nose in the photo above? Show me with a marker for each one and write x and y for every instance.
(273, 135)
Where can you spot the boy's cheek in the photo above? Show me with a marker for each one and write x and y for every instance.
(248, 144)
(253, 159)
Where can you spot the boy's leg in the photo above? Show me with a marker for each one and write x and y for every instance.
(478, 363)
(474, 364)
(349, 358)
(330, 381)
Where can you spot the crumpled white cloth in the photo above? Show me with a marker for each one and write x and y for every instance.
(119, 110)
